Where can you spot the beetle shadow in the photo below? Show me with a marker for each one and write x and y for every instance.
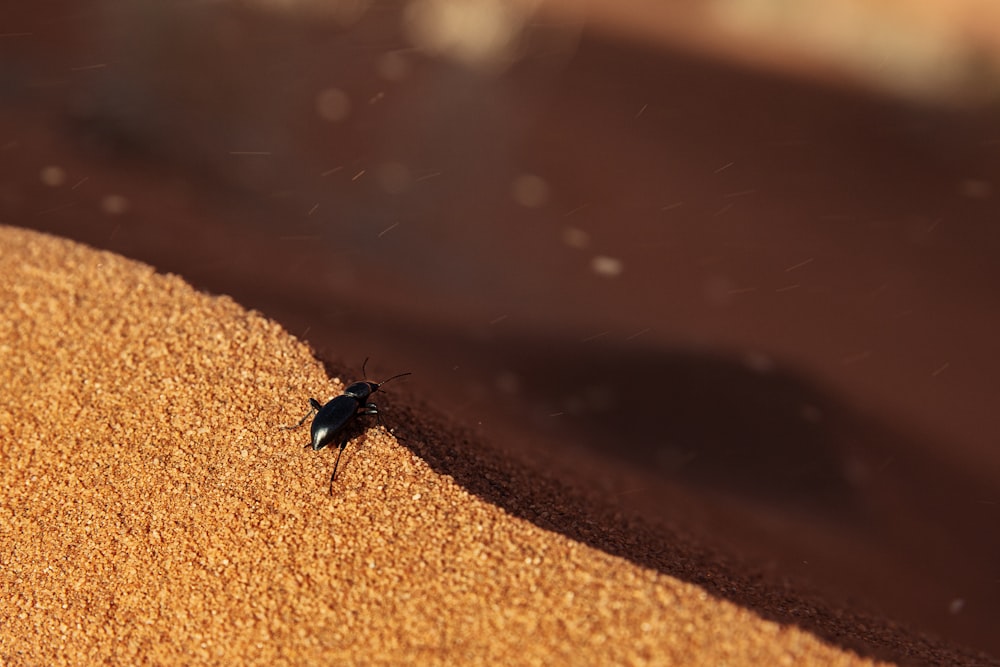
(740, 424)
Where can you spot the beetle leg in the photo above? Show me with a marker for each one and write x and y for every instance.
(315, 406)
(372, 409)
(340, 450)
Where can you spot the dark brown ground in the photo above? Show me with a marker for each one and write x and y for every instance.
(788, 395)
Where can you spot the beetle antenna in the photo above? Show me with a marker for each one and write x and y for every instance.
(363, 373)
(392, 378)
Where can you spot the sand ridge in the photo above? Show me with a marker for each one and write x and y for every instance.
(152, 509)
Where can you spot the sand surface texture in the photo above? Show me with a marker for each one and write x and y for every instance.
(153, 510)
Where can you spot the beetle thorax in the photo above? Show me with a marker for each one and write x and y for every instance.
(361, 390)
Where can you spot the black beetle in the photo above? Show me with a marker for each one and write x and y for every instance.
(333, 418)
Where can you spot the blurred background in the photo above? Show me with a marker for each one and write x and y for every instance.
(730, 265)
